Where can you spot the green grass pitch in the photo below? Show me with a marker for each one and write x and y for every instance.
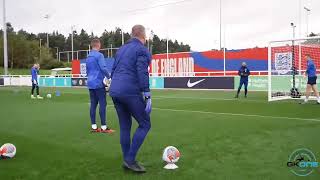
(219, 137)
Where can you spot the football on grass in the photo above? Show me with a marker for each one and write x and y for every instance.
(8, 150)
(171, 154)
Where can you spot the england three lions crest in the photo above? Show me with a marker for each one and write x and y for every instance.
(83, 69)
(283, 62)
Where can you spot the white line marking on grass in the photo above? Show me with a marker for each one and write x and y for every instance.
(236, 114)
(203, 98)
(229, 114)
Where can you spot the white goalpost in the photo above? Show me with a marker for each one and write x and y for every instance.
(287, 65)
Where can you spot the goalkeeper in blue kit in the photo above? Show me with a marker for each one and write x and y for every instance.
(244, 74)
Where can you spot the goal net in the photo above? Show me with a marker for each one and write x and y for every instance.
(287, 64)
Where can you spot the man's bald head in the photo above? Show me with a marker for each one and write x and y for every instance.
(139, 32)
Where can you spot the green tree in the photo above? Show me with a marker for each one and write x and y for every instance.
(24, 50)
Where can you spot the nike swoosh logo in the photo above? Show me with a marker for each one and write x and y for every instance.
(190, 85)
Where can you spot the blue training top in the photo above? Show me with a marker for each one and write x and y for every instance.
(96, 70)
(34, 74)
(130, 76)
(311, 68)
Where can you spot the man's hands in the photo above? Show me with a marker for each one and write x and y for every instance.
(147, 97)
(107, 82)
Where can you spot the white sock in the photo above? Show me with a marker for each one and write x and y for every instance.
(318, 99)
(104, 127)
(306, 99)
(94, 126)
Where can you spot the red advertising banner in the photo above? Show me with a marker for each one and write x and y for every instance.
(208, 63)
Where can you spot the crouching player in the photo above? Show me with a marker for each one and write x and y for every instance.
(34, 80)
(131, 95)
(244, 73)
(96, 72)
(312, 80)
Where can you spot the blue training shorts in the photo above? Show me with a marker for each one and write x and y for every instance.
(312, 80)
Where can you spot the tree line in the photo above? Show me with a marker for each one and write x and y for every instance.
(24, 47)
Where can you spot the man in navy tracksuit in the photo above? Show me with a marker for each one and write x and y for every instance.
(96, 73)
(244, 74)
(131, 95)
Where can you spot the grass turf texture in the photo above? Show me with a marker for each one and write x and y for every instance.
(53, 139)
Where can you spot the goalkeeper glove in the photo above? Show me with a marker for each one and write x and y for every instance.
(147, 97)
(107, 82)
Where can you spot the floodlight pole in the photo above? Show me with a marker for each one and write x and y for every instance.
(224, 51)
(167, 48)
(220, 23)
(5, 44)
(72, 29)
(122, 36)
(293, 56)
(308, 10)
(300, 19)
(293, 30)
(57, 48)
(47, 18)
(40, 50)
(151, 40)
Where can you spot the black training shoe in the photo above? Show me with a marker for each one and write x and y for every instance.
(237, 96)
(135, 167)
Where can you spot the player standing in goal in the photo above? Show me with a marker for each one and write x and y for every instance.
(312, 80)
(244, 73)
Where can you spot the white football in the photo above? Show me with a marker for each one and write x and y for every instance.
(49, 96)
(171, 154)
(8, 150)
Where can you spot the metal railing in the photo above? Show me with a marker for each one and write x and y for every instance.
(81, 54)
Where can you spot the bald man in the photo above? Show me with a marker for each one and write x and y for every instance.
(131, 95)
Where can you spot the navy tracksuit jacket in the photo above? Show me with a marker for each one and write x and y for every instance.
(130, 78)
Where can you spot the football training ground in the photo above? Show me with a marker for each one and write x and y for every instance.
(219, 137)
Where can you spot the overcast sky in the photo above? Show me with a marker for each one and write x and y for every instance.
(246, 23)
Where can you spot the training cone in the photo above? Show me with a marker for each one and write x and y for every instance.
(170, 166)
(58, 93)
